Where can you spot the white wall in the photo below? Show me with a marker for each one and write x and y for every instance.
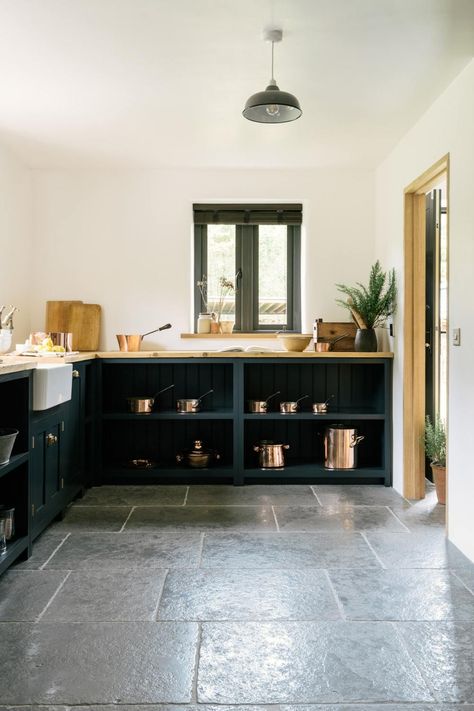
(15, 241)
(446, 128)
(123, 240)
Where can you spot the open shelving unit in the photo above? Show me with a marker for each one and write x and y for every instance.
(15, 392)
(362, 398)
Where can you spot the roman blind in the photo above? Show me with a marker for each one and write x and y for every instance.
(252, 214)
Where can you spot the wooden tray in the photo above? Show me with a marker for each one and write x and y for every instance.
(327, 330)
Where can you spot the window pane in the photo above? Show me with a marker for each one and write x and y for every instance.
(221, 265)
(272, 275)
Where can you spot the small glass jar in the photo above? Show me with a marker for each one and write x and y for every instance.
(3, 540)
(7, 515)
(204, 323)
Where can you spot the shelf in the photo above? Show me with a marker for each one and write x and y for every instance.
(331, 416)
(15, 461)
(316, 470)
(14, 550)
(166, 473)
(225, 414)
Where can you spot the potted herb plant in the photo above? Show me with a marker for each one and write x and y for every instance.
(370, 305)
(435, 448)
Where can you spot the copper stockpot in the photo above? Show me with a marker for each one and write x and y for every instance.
(270, 454)
(340, 447)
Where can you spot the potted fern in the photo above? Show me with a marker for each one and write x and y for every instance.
(435, 448)
(371, 305)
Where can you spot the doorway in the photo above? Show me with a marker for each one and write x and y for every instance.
(436, 303)
(425, 316)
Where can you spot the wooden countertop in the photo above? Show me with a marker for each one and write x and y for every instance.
(228, 354)
(14, 363)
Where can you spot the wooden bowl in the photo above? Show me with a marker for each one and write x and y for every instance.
(294, 341)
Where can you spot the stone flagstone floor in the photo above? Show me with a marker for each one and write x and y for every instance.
(321, 598)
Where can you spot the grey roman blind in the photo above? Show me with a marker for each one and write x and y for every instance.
(291, 214)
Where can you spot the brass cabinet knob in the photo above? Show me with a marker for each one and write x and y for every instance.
(76, 374)
(51, 439)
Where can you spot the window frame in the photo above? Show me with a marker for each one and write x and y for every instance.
(246, 266)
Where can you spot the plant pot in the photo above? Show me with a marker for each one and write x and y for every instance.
(439, 477)
(365, 340)
(215, 327)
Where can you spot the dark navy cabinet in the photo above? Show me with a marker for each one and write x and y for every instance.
(57, 454)
(361, 397)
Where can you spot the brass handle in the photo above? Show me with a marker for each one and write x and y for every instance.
(51, 439)
(76, 374)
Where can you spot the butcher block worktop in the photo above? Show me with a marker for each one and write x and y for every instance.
(14, 363)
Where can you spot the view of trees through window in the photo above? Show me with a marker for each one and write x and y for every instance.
(220, 263)
(272, 274)
(272, 271)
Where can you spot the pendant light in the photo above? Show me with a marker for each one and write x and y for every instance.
(272, 105)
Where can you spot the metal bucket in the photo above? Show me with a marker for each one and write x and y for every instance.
(340, 447)
(7, 440)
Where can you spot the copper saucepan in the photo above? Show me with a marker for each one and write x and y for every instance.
(325, 346)
(191, 404)
(320, 408)
(132, 342)
(144, 405)
(291, 406)
(261, 406)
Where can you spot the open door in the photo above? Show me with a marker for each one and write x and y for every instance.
(425, 317)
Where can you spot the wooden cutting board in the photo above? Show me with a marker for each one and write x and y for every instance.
(82, 320)
(328, 330)
(57, 316)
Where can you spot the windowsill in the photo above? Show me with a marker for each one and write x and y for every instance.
(262, 334)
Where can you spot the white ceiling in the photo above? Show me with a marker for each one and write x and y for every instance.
(163, 82)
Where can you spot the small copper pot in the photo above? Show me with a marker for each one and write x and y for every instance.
(144, 405)
(291, 406)
(132, 342)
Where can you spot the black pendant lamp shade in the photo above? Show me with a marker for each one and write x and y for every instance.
(272, 105)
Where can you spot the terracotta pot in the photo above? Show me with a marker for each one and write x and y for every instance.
(439, 476)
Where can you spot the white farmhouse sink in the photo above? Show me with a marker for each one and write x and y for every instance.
(52, 385)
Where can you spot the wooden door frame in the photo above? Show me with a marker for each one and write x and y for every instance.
(414, 327)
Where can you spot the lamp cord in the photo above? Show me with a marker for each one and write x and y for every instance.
(272, 78)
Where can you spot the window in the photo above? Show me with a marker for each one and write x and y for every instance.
(257, 248)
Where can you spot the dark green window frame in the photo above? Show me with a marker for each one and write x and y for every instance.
(247, 219)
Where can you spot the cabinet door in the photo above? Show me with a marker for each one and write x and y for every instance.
(46, 481)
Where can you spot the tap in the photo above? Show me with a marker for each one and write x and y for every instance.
(7, 322)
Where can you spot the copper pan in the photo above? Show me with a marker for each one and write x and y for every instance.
(132, 342)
